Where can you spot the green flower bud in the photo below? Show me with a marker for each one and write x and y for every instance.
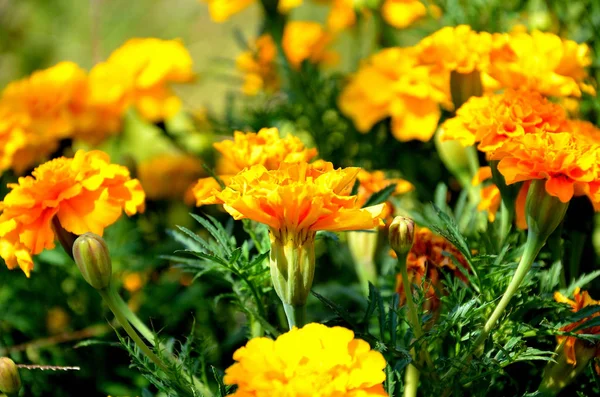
(544, 212)
(93, 260)
(10, 381)
(402, 235)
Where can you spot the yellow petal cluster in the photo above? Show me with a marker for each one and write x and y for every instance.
(258, 67)
(392, 83)
(582, 300)
(403, 13)
(82, 194)
(493, 120)
(313, 361)
(307, 41)
(169, 176)
(264, 148)
(138, 74)
(37, 112)
(540, 62)
(222, 10)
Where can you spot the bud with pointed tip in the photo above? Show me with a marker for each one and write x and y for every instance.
(10, 381)
(401, 235)
(93, 260)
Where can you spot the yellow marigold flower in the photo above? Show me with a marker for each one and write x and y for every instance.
(403, 13)
(37, 112)
(373, 182)
(393, 84)
(222, 10)
(341, 16)
(493, 120)
(247, 149)
(169, 176)
(541, 62)
(258, 66)
(138, 74)
(315, 360)
(582, 300)
(82, 194)
(307, 41)
(567, 163)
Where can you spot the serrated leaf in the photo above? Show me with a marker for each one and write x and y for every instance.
(450, 232)
(340, 311)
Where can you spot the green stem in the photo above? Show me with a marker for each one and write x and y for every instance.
(296, 315)
(114, 307)
(367, 273)
(532, 247)
(411, 379)
(507, 214)
(413, 316)
(131, 316)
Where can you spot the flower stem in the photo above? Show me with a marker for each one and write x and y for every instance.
(131, 316)
(296, 315)
(411, 379)
(507, 215)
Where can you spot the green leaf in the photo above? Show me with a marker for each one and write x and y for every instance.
(381, 196)
(449, 230)
(340, 311)
(355, 187)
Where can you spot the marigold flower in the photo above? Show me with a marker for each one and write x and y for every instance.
(307, 41)
(424, 262)
(493, 120)
(341, 16)
(169, 176)
(403, 13)
(540, 62)
(258, 66)
(138, 74)
(315, 360)
(82, 194)
(222, 10)
(582, 300)
(247, 149)
(566, 162)
(393, 84)
(37, 112)
(373, 182)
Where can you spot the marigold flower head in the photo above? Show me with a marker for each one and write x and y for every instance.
(424, 262)
(493, 120)
(341, 16)
(247, 149)
(540, 62)
(403, 13)
(82, 194)
(307, 41)
(169, 176)
(258, 66)
(138, 74)
(581, 300)
(566, 162)
(315, 360)
(222, 10)
(373, 182)
(393, 84)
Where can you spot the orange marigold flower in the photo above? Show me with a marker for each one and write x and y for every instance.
(138, 74)
(582, 300)
(373, 182)
(307, 41)
(169, 176)
(314, 360)
(403, 13)
(424, 262)
(540, 62)
(297, 199)
(247, 149)
(37, 112)
(493, 120)
(82, 194)
(258, 66)
(567, 163)
(341, 16)
(393, 84)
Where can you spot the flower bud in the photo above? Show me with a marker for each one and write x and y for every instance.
(544, 212)
(93, 259)
(402, 235)
(10, 381)
(461, 161)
